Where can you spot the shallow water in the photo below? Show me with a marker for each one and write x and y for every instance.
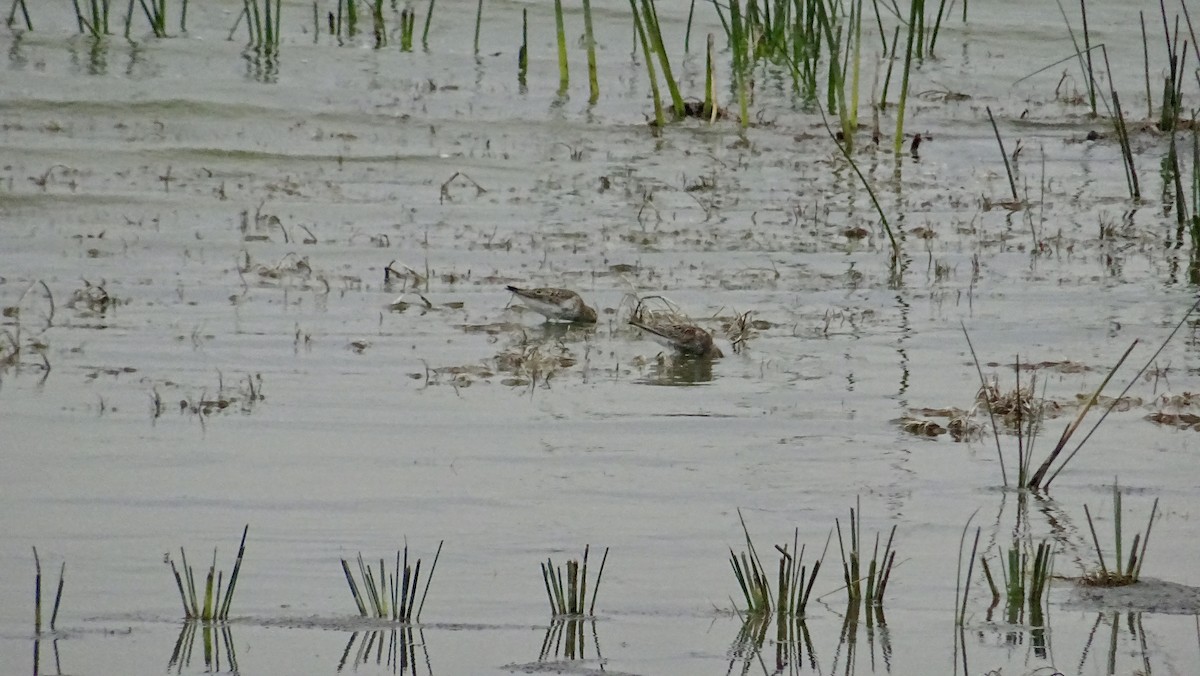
(154, 171)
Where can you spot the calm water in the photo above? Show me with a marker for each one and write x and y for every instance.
(239, 216)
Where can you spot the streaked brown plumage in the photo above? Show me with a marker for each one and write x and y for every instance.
(561, 305)
(687, 339)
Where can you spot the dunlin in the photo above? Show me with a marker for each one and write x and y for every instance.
(687, 339)
(560, 305)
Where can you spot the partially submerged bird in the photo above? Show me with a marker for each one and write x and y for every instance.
(559, 305)
(687, 339)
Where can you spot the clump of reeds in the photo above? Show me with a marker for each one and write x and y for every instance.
(248, 394)
(216, 606)
(1019, 408)
(1042, 477)
(155, 12)
(1127, 572)
(1024, 581)
(649, 35)
(394, 597)
(37, 594)
(262, 23)
(654, 310)
(795, 580)
(740, 330)
(91, 18)
(568, 593)
(878, 572)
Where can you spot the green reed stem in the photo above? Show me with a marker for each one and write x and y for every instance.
(233, 577)
(891, 59)
(659, 119)
(478, 22)
(564, 75)
(883, 220)
(1095, 540)
(523, 52)
(1087, 46)
(207, 613)
(379, 29)
(1131, 178)
(358, 601)
(600, 575)
(12, 14)
(687, 32)
(62, 573)
(1146, 66)
(1136, 570)
(1117, 524)
(966, 589)
(739, 45)
(37, 593)
(917, 7)
(425, 31)
(937, 25)
(710, 82)
(589, 37)
(655, 35)
(1012, 183)
(850, 124)
(428, 579)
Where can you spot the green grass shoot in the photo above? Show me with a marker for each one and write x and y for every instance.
(794, 579)
(12, 15)
(879, 570)
(590, 39)
(37, 594)
(1126, 571)
(564, 73)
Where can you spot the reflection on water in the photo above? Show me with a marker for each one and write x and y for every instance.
(37, 655)
(392, 648)
(680, 370)
(794, 649)
(1124, 648)
(261, 67)
(564, 640)
(876, 626)
(217, 639)
(1118, 644)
